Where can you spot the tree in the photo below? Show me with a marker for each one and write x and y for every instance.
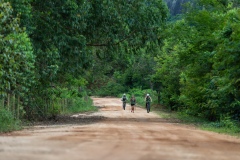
(198, 54)
(16, 59)
(123, 35)
(69, 37)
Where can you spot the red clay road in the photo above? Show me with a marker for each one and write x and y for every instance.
(121, 135)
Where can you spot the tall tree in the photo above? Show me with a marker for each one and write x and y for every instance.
(70, 36)
(16, 58)
(199, 62)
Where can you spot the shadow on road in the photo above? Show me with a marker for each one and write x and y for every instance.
(143, 120)
(84, 120)
(64, 120)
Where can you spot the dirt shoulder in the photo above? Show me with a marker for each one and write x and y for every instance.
(114, 134)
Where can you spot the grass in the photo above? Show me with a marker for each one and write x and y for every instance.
(224, 126)
(81, 109)
(8, 122)
(222, 130)
(81, 105)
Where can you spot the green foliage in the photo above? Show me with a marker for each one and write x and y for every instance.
(80, 105)
(17, 60)
(111, 89)
(112, 22)
(141, 94)
(225, 125)
(197, 68)
(71, 40)
(7, 121)
(17, 74)
(51, 50)
(62, 49)
(23, 10)
(124, 35)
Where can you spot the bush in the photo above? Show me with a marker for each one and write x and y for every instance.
(7, 121)
(225, 125)
(81, 105)
(111, 89)
(227, 122)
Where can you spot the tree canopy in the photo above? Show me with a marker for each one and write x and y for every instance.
(56, 53)
(62, 42)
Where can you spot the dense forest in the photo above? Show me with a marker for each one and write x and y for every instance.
(55, 54)
(176, 6)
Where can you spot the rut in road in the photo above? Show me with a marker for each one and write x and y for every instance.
(114, 134)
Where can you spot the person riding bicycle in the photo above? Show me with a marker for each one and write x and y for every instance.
(148, 100)
(124, 100)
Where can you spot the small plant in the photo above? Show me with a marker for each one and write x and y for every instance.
(81, 105)
(7, 121)
(227, 122)
(224, 125)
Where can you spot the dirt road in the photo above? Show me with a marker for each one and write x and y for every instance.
(120, 135)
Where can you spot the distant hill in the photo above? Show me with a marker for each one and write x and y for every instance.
(175, 6)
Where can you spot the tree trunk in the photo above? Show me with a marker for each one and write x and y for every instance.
(159, 98)
(8, 102)
(13, 105)
(63, 104)
(8, 98)
(3, 99)
(18, 102)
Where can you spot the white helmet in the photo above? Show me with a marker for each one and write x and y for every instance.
(147, 94)
(124, 94)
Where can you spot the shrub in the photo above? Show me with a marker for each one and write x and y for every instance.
(7, 121)
(111, 89)
(81, 105)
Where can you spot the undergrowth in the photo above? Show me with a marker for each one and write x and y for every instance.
(80, 105)
(8, 122)
(224, 126)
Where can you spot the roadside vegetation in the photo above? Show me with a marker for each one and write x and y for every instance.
(80, 105)
(223, 126)
(8, 122)
(55, 54)
(226, 125)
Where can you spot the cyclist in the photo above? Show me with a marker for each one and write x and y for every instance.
(148, 100)
(124, 100)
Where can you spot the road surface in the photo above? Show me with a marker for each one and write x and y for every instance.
(116, 134)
